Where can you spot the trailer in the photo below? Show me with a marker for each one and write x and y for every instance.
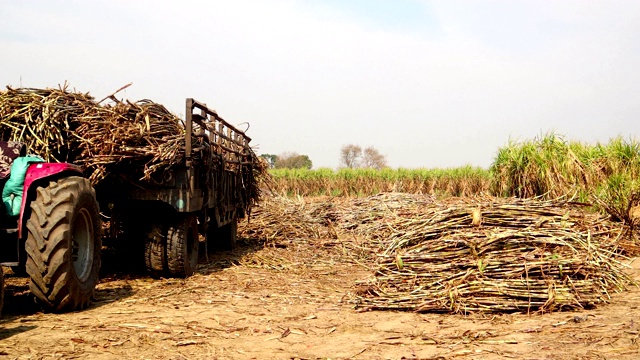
(191, 207)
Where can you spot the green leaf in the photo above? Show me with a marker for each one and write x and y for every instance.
(399, 262)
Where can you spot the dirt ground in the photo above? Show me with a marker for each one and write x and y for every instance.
(292, 302)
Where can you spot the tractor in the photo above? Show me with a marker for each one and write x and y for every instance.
(49, 229)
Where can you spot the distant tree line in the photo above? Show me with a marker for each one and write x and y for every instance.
(351, 156)
(289, 160)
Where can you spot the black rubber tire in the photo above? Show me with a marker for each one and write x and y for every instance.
(224, 237)
(155, 251)
(63, 244)
(182, 246)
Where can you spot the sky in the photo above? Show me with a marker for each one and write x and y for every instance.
(427, 83)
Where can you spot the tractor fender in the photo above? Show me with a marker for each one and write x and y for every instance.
(42, 171)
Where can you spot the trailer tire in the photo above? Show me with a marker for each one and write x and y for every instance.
(63, 244)
(155, 251)
(223, 237)
(182, 246)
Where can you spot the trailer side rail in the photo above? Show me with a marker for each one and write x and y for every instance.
(226, 140)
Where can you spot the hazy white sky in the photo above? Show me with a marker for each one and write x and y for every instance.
(428, 83)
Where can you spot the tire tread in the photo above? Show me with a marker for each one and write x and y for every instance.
(49, 244)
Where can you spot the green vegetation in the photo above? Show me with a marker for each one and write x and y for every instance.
(289, 160)
(547, 166)
(463, 181)
(550, 166)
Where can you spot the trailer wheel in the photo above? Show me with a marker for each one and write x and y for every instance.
(182, 246)
(63, 244)
(224, 237)
(155, 251)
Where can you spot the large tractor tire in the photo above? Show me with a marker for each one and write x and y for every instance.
(182, 246)
(63, 244)
(155, 251)
(223, 237)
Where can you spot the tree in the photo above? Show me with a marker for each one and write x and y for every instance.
(350, 156)
(293, 161)
(372, 158)
(271, 159)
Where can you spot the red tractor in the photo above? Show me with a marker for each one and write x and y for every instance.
(49, 229)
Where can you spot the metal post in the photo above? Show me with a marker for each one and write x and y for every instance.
(188, 126)
(187, 147)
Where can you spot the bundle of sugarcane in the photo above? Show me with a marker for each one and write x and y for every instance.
(65, 126)
(279, 219)
(461, 255)
(496, 255)
(142, 133)
(44, 120)
(134, 139)
(371, 216)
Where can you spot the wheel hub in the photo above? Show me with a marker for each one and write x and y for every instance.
(82, 245)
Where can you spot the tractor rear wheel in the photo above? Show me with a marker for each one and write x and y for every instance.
(182, 246)
(63, 244)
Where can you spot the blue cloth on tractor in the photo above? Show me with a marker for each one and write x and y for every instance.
(12, 191)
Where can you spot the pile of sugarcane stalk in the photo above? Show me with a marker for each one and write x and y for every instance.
(122, 138)
(302, 218)
(370, 217)
(124, 133)
(497, 255)
(63, 126)
(278, 220)
(462, 255)
(44, 120)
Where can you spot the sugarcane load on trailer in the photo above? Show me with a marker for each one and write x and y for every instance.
(165, 188)
(205, 193)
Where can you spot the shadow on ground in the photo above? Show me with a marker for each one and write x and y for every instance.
(19, 301)
(6, 333)
(217, 260)
(117, 270)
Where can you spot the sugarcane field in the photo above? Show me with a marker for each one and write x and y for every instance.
(132, 232)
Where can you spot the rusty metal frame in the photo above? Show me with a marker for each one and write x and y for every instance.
(227, 139)
(230, 145)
